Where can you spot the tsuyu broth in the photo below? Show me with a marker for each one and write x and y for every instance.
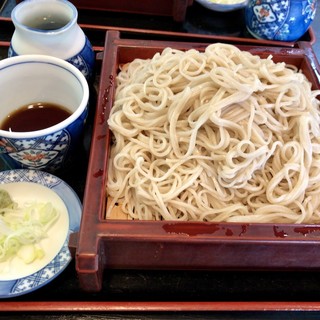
(35, 116)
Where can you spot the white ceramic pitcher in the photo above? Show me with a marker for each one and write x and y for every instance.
(50, 27)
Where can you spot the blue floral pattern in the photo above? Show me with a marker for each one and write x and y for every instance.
(35, 176)
(43, 152)
(285, 20)
(84, 61)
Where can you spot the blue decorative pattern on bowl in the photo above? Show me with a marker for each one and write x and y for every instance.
(285, 20)
(48, 152)
(84, 60)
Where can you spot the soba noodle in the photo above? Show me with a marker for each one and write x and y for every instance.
(219, 135)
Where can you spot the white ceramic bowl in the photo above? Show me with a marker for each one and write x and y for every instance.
(223, 5)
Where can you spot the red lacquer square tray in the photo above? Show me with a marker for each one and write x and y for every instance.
(115, 243)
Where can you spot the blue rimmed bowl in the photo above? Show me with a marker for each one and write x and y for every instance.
(27, 186)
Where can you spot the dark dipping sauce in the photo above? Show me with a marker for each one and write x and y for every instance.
(35, 116)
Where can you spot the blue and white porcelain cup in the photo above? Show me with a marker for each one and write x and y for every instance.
(281, 20)
(50, 27)
(30, 79)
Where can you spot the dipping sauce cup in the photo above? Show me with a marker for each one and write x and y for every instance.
(34, 82)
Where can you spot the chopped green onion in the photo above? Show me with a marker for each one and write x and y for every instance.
(22, 228)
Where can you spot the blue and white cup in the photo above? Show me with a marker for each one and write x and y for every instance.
(281, 20)
(29, 79)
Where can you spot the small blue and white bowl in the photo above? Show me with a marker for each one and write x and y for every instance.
(29, 186)
(285, 20)
(29, 79)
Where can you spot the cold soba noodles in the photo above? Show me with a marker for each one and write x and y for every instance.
(221, 135)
